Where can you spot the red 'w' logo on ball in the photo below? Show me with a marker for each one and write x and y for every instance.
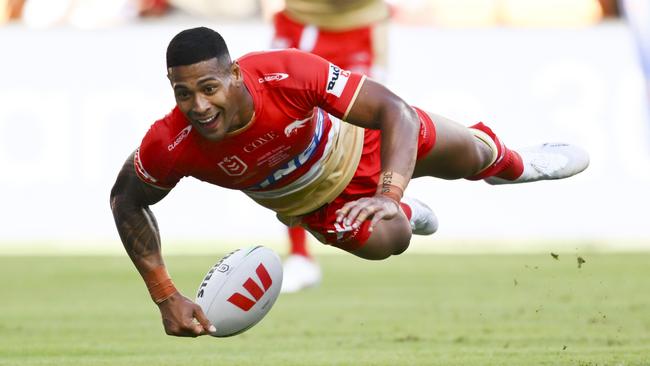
(253, 288)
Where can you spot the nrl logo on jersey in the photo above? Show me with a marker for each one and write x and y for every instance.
(276, 76)
(336, 80)
(233, 166)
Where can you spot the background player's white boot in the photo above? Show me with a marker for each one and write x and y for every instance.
(548, 161)
(423, 220)
(300, 273)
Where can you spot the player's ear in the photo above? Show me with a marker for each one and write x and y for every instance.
(169, 74)
(235, 73)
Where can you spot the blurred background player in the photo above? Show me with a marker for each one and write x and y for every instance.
(352, 34)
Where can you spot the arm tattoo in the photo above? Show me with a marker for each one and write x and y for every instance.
(136, 224)
(138, 230)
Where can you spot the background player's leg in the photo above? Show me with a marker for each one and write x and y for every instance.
(298, 241)
(300, 270)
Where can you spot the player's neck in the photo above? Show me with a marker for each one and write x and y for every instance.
(246, 113)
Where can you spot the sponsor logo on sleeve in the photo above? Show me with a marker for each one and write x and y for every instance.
(179, 138)
(233, 166)
(336, 80)
(275, 76)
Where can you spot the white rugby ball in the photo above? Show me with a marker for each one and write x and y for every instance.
(240, 289)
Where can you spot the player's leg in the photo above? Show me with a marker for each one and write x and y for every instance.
(457, 153)
(476, 152)
(392, 237)
(389, 237)
(300, 269)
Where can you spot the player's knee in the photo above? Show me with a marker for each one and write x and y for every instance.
(377, 252)
(401, 239)
(386, 242)
(483, 158)
(393, 248)
(471, 161)
(401, 247)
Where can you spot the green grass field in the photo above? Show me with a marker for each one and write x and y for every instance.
(410, 310)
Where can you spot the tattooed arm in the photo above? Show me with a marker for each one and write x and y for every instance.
(130, 201)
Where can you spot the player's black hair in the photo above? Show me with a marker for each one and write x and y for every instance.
(195, 45)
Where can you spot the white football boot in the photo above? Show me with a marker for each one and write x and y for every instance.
(423, 220)
(300, 273)
(548, 161)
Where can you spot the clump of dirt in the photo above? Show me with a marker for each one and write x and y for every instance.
(407, 338)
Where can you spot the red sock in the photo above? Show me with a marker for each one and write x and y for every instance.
(298, 241)
(407, 210)
(508, 164)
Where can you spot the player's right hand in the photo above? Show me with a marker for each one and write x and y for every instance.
(183, 318)
(375, 208)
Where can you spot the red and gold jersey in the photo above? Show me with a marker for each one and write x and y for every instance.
(295, 147)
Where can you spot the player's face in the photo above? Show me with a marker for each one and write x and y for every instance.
(212, 97)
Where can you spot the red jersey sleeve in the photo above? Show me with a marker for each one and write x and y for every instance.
(315, 81)
(340, 90)
(152, 160)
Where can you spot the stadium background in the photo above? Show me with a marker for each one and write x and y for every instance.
(78, 89)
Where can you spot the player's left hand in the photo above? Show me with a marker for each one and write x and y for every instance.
(377, 207)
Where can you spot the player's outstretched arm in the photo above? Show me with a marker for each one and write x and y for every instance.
(376, 107)
(130, 201)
